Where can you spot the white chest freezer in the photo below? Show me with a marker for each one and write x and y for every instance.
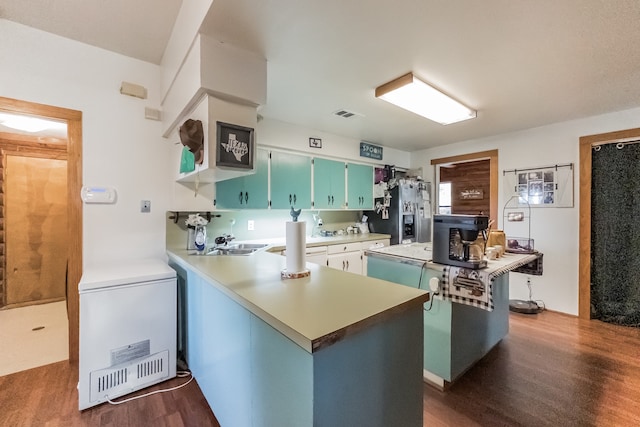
(127, 329)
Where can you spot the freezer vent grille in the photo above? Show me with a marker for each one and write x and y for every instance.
(116, 381)
(149, 368)
(111, 380)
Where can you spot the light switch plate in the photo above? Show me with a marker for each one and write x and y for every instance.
(145, 206)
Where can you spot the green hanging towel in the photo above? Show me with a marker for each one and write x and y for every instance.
(187, 162)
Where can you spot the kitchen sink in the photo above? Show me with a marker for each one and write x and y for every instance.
(235, 249)
(253, 246)
(230, 251)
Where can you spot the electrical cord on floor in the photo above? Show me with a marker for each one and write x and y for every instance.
(431, 301)
(538, 303)
(431, 295)
(422, 269)
(180, 374)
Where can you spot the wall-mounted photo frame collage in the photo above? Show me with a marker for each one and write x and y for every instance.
(550, 186)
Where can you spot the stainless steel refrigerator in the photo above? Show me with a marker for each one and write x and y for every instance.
(404, 213)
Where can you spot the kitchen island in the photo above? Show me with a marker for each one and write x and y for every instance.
(456, 334)
(315, 351)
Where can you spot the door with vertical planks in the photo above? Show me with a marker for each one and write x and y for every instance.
(35, 211)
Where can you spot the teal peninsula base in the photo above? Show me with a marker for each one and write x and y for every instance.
(255, 367)
(456, 336)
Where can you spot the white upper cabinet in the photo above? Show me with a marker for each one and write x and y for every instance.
(209, 87)
(211, 110)
(212, 67)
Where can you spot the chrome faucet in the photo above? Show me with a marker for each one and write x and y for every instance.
(224, 239)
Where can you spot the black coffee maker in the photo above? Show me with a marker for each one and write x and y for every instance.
(454, 240)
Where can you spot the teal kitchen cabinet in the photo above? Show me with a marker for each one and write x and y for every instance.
(219, 356)
(290, 181)
(228, 193)
(328, 184)
(359, 186)
(456, 335)
(252, 374)
(246, 192)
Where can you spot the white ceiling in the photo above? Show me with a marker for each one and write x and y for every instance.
(520, 63)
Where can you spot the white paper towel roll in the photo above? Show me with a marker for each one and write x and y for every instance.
(296, 246)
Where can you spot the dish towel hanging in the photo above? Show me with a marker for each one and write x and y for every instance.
(475, 287)
(467, 286)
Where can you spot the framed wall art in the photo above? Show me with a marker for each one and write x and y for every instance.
(543, 187)
(234, 146)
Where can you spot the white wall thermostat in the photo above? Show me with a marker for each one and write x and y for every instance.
(98, 195)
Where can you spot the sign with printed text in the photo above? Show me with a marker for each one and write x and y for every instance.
(371, 151)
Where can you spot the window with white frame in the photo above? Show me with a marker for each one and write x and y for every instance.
(444, 198)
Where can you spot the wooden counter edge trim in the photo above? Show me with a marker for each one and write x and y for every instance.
(341, 334)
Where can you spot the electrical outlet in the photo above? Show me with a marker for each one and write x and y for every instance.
(145, 206)
(250, 225)
(434, 284)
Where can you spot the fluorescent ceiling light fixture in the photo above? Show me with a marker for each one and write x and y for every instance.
(413, 94)
(30, 124)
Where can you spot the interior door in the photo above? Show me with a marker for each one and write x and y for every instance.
(492, 155)
(35, 229)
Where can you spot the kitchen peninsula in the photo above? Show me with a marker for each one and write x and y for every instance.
(456, 335)
(315, 351)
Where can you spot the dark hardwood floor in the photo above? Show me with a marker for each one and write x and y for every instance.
(47, 396)
(551, 370)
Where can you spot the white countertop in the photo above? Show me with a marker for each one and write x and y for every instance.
(315, 311)
(419, 253)
(415, 251)
(124, 273)
(278, 243)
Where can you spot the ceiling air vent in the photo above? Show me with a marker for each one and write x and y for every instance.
(346, 114)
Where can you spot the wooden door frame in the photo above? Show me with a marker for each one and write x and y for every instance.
(74, 204)
(492, 155)
(584, 239)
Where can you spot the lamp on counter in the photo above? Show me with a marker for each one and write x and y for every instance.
(413, 94)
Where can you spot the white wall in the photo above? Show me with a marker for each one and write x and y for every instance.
(555, 230)
(124, 150)
(120, 147)
(279, 134)
(184, 32)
